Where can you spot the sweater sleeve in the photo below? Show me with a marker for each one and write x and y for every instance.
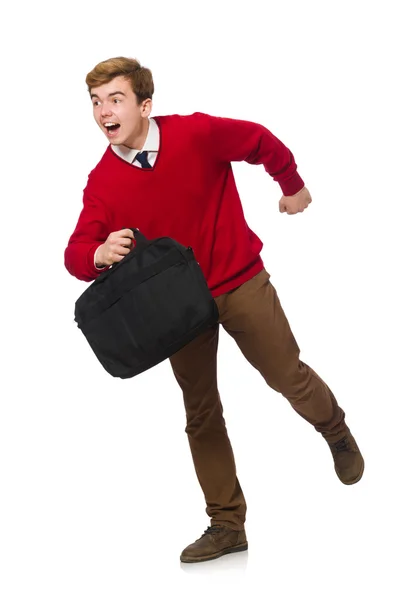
(91, 231)
(235, 140)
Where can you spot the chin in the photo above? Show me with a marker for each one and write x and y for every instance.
(118, 141)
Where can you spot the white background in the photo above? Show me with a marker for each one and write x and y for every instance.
(98, 490)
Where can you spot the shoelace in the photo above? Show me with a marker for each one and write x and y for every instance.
(341, 445)
(212, 529)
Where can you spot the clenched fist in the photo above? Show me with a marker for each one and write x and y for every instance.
(296, 203)
(115, 248)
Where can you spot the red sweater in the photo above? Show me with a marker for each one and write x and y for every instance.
(190, 195)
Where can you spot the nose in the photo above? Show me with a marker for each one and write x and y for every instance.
(105, 109)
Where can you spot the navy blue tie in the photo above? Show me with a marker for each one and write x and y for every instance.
(141, 157)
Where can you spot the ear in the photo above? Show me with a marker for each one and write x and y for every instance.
(146, 107)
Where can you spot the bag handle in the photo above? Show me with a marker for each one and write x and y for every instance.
(141, 242)
(139, 237)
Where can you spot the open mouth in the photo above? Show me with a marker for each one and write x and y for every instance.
(112, 128)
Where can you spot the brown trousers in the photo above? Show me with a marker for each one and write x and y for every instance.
(253, 316)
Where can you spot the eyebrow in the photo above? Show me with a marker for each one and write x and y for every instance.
(112, 94)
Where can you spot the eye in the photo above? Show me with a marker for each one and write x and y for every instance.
(95, 103)
(116, 100)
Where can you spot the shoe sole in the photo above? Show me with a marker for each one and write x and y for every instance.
(193, 559)
(357, 479)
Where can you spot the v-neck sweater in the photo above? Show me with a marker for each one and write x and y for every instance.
(190, 195)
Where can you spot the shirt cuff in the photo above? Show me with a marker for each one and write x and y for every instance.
(293, 185)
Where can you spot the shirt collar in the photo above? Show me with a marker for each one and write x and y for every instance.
(151, 144)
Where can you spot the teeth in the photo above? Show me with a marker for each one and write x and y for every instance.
(109, 124)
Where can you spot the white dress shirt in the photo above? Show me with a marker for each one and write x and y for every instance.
(151, 145)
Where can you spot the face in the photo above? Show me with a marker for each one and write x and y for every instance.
(118, 114)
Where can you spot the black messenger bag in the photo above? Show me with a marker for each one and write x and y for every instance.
(146, 307)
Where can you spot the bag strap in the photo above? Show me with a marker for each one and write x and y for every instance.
(141, 242)
(140, 238)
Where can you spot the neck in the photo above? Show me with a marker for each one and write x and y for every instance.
(139, 140)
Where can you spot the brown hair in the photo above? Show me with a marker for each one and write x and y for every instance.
(140, 77)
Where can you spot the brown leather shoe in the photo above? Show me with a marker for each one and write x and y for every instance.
(349, 463)
(216, 541)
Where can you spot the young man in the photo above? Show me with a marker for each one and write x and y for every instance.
(171, 176)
